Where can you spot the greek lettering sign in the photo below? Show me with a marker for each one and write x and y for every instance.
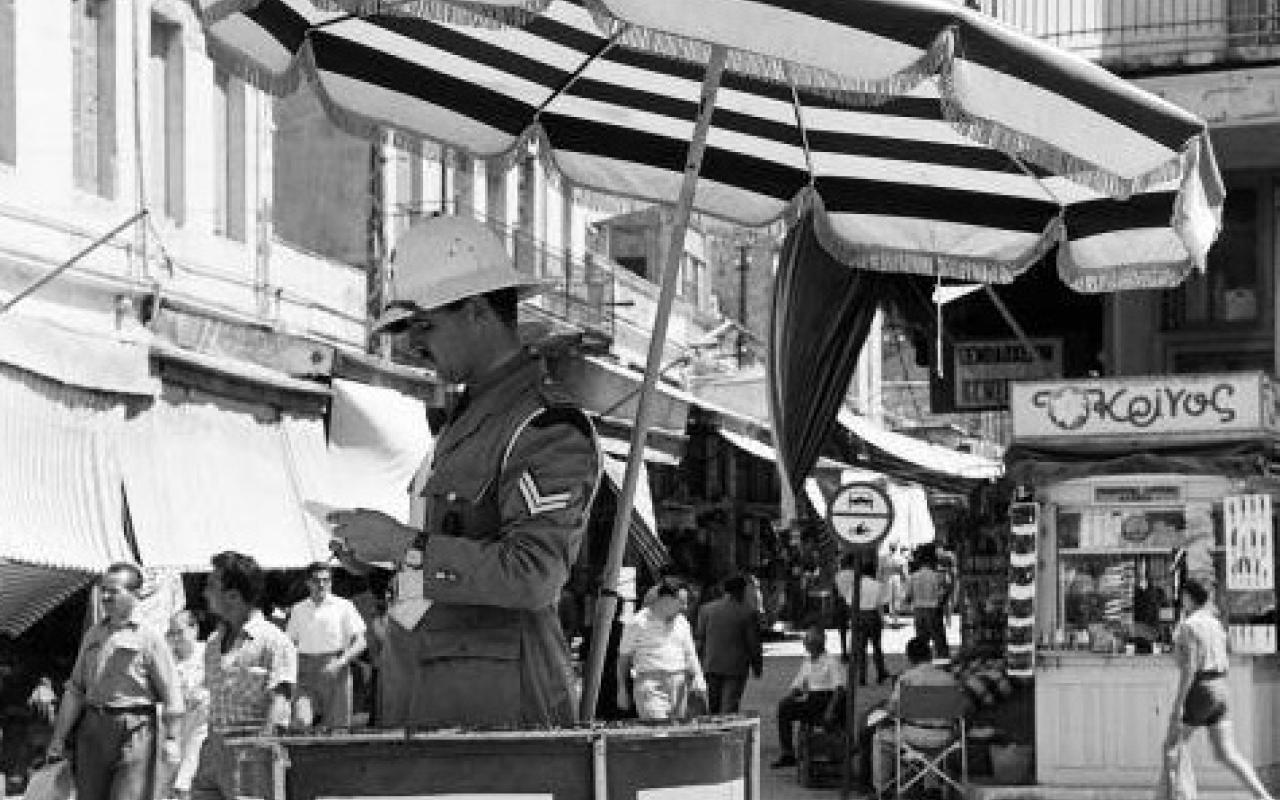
(1193, 407)
(861, 514)
(983, 369)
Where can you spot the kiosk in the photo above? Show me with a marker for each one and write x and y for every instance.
(1136, 484)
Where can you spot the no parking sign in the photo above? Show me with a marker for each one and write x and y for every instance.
(861, 514)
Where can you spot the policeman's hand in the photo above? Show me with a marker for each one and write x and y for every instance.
(56, 750)
(333, 666)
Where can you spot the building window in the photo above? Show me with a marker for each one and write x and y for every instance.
(93, 96)
(165, 146)
(8, 85)
(495, 195)
(408, 190)
(228, 156)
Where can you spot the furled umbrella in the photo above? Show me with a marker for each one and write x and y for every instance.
(924, 137)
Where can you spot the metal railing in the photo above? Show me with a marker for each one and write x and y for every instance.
(1142, 33)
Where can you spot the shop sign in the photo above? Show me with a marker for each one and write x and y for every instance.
(984, 368)
(861, 514)
(1183, 406)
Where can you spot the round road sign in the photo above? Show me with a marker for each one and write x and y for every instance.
(861, 514)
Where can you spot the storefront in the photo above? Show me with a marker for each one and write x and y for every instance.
(1130, 486)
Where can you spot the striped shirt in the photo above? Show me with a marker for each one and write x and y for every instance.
(658, 646)
(241, 680)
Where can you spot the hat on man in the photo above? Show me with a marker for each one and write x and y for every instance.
(443, 259)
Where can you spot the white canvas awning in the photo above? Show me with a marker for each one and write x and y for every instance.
(204, 474)
(60, 495)
(912, 459)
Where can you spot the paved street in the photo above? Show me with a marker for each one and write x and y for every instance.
(782, 659)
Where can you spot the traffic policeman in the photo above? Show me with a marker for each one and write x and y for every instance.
(500, 510)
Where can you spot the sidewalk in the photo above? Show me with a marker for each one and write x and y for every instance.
(781, 660)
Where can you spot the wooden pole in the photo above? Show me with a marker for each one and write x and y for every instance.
(608, 602)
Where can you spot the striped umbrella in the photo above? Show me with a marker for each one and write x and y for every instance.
(925, 137)
(931, 139)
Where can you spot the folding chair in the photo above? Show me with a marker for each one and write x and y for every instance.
(913, 761)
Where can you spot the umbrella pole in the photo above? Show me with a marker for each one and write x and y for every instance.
(607, 605)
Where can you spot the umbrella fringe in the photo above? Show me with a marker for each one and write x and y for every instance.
(1122, 277)
(221, 9)
(476, 15)
(883, 259)
(825, 83)
(1042, 154)
(252, 73)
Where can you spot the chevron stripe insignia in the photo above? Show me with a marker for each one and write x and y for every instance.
(536, 501)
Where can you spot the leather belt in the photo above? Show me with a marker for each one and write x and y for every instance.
(1210, 674)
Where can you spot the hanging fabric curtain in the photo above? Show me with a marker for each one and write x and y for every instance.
(810, 366)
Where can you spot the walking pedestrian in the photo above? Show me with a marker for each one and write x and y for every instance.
(870, 627)
(1200, 647)
(329, 634)
(658, 644)
(728, 641)
(845, 579)
(498, 514)
(926, 589)
(250, 669)
(188, 656)
(812, 690)
(123, 700)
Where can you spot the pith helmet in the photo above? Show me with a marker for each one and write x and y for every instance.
(444, 259)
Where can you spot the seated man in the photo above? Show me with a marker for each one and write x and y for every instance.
(922, 733)
(812, 689)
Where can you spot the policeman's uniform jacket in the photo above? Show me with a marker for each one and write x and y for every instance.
(506, 505)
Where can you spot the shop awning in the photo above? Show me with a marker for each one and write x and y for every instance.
(378, 439)
(60, 495)
(914, 460)
(205, 474)
(643, 531)
(766, 452)
(96, 360)
(29, 592)
(621, 449)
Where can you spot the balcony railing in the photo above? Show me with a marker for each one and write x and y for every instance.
(1136, 34)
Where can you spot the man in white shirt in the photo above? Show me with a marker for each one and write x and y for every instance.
(329, 634)
(658, 644)
(812, 690)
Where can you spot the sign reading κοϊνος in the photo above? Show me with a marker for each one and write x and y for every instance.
(1194, 407)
